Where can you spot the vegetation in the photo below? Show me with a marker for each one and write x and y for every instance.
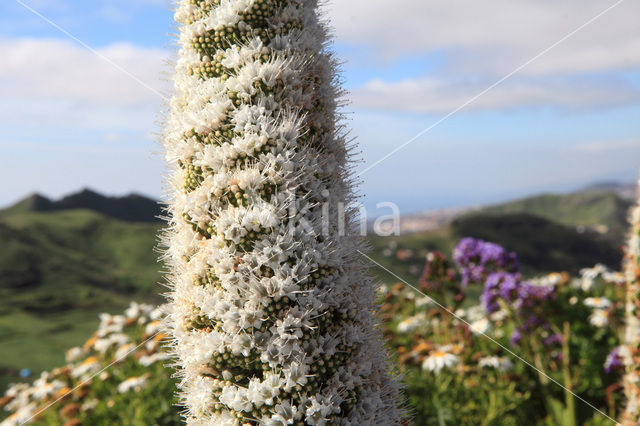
(58, 269)
(597, 209)
(569, 329)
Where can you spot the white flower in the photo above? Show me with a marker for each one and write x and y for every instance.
(147, 360)
(43, 388)
(480, 326)
(74, 354)
(614, 277)
(116, 339)
(437, 360)
(286, 414)
(499, 363)
(475, 313)
(589, 276)
(132, 383)
(89, 365)
(625, 355)
(597, 302)
(410, 324)
(263, 297)
(423, 301)
(124, 351)
(599, 318)
(499, 315)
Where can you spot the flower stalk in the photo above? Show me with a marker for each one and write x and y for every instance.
(631, 381)
(271, 306)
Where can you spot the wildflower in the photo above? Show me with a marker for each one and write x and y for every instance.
(89, 365)
(618, 358)
(553, 339)
(132, 383)
(410, 324)
(499, 363)
(480, 326)
(437, 360)
(74, 354)
(631, 380)
(124, 351)
(423, 301)
(616, 277)
(499, 285)
(147, 360)
(597, 302)
(588, 277)
(477, 259)
(599, 318)
(515, 337)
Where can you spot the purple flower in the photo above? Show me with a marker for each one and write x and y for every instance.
(492, 291)
(499, 285)
(529, 294)
(509, 286)
(528, 301)
(532, 321)
(613, 361)
(554, 339)
(477, 259)
(515, 338)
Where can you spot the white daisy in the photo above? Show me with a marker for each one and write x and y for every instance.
(499, 363)
(598, 302)
(437, 360)
(599, 318)
(132, 383)
(410, 324)
(480, 326)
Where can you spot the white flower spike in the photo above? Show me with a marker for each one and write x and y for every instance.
(271, 307)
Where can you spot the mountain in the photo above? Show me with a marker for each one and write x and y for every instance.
(625, 190)
(602, 210)
(130, 208)
(602, 207)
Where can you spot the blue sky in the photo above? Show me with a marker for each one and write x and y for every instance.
(69, 119)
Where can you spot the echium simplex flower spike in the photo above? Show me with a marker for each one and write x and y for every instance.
(271, 307)
(632, 321)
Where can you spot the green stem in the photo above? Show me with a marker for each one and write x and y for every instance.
(566, 372)
(436, 402)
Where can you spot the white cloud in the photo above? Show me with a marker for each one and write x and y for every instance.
(495, 36)
(54, 69)
(431, 95)
(55, 82)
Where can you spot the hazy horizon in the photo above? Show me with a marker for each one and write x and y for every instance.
(472, 108)
(406, 208)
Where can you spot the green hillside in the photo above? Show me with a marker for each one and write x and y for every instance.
(589, 208)
(57, 271)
